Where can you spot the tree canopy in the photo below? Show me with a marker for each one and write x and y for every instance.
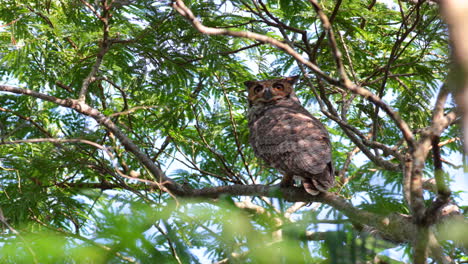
(123, 131)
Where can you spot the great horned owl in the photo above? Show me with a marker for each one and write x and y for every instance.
(287, 137)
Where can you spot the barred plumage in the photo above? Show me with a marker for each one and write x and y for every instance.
(287, 137)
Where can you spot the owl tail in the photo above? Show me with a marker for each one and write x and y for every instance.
(309, 186)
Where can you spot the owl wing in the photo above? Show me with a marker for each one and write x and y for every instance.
(292, 140)
(310, 144)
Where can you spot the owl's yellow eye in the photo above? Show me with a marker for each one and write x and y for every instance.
(258, 89)
(278, 86)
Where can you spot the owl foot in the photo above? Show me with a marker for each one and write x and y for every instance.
(310, 186)
(312, 192)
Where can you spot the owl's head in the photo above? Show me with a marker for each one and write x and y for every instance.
(270, 91)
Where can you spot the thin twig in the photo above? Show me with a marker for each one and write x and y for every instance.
(294, 208)
(53, 140)
(4, 221)
(236, 134)
(186, 12)
(317, 44)
(84, 239)
(171, 246)
(216, 153)
(342, 173)
(332, 42)
(29, 119)
(133, 109)
(105, 45)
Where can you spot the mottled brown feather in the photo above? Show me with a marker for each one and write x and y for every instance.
(287, 137)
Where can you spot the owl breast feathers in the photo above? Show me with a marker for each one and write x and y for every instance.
(287, 137)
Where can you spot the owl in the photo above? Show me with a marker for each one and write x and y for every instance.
(287, 137)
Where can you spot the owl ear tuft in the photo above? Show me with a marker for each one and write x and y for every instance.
(249, 84)
(292, 80)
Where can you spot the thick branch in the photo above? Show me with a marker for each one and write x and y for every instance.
(430, 138)
(397, 227)
(454, 12)
(436, 251)
(439, 123)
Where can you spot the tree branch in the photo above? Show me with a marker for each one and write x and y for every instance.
(105, 45)
(454, 12)
(84, 239)
(347, 84)
(404, 128)
(187, 13)
(396, 226)
(29, 119)
(436, 251)
(236, 134)
(429, 138)
(4, 221)
(166, 184)
(53, 140)
(332, 42)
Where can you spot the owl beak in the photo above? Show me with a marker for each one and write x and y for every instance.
(267, 95)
